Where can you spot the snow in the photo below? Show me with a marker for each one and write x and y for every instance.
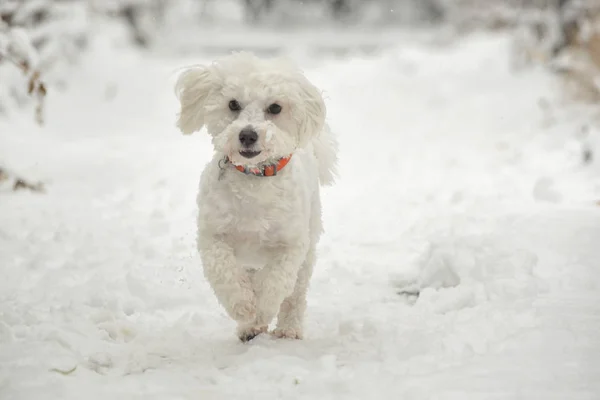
(460, 178)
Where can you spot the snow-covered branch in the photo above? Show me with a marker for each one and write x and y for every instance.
(16, 49)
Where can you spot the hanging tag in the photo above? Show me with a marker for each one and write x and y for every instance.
(222, 164)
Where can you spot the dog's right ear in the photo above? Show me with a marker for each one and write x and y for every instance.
(192, 88)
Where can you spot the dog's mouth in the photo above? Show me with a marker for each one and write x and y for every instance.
(249, 153)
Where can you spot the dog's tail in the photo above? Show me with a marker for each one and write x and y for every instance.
(325, 146)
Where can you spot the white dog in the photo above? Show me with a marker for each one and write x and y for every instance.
(259, 204)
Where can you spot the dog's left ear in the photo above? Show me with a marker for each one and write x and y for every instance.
(314, 110)
(192, 88)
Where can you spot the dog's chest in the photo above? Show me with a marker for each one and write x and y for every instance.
(260, 216)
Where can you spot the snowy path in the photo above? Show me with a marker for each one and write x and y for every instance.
(451, 172)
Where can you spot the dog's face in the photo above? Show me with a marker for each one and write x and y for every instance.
(254, 109)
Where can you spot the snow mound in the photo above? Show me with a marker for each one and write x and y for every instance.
(458, 272)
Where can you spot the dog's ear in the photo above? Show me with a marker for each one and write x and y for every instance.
(192, 88)
(314, 110)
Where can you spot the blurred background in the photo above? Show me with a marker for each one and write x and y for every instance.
(50, 36)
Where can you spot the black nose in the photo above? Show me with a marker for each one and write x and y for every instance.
(248, 137)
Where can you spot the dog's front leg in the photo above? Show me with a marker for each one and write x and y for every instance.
(230, 282)
(276, 281)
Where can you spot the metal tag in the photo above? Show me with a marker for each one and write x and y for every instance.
(222, 165)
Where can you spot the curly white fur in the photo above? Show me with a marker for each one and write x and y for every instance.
(257, 236)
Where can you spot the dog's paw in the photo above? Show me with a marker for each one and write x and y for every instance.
(244, 311)
(247, 333)
(287, 333)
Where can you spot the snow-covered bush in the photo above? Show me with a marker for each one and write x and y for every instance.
(561, 34)
(19, 73)
(37, 37)
(577, 53)
(566, 38)
(19, 57)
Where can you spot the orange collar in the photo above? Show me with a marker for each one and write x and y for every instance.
(265, 169)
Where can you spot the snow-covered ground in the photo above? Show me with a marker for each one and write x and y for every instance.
(459, 178)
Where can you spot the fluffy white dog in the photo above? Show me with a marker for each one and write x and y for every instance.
(259, 204)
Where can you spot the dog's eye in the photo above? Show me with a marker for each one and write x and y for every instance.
(234, 105)
(274, 109)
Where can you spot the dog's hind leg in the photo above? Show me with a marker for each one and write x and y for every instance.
(272, 285)
(290, 320)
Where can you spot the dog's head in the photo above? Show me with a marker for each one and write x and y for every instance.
(254, 109)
